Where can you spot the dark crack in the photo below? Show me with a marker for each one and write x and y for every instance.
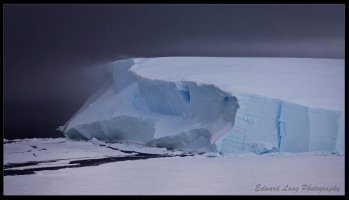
(80, 163)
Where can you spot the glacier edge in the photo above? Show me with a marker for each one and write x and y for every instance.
(178, 114)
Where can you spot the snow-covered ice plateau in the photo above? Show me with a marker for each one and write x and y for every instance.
(218, 104)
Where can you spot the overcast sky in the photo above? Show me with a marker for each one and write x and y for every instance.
(53, 54)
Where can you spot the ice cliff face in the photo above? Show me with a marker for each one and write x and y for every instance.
(180, 115)
(191, 104)
(265, 125)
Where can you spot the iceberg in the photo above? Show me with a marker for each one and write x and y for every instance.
(216, 104)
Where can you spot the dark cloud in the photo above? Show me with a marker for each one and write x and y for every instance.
(53, 54)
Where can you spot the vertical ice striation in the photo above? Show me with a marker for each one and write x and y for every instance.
(295, 128)
(265, 125)
(340, 136)
(324, 129)
(255, 127)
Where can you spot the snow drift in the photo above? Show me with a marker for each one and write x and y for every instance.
(219, 104)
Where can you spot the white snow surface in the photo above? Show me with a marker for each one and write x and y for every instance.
(315, 83)
(207, 174)
(40, 149)
(203, 104)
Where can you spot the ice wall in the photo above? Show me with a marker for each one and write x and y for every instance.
(181, 115)
(169, 110)
(267, 125)
(256, 128)
(340, 136)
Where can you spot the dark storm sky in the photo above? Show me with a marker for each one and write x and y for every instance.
(53, 53)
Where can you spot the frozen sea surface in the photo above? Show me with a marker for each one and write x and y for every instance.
(167, 172)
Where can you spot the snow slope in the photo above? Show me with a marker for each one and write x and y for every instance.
(255, 105)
